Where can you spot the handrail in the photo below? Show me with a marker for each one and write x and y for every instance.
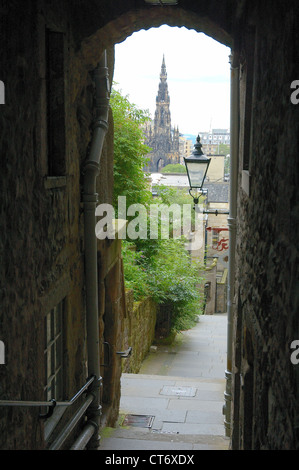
(50, 404)
(70, 426)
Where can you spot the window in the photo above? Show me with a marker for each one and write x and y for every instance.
(55, 103)
(53, 353)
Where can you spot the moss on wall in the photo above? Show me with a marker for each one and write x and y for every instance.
(138, 330)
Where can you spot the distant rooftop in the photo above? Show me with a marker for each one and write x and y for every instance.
(217, 192)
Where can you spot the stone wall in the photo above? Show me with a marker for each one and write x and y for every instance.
(138, 331)
(42, 243)
(41, 259)
(112, 311)
(266, 315)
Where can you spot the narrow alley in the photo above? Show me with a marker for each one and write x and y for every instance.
(175, 402)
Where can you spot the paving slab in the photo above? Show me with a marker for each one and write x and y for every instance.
(194, 428)
(204, 417)
(183, 404)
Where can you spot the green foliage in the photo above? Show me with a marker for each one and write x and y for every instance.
(168, 276)
(168, 195)
(136, 277)
(174, 283)
(224, 149)
(174, 168)
(130, 152)
(172, 277)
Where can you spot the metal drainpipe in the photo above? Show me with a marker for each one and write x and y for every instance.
(90, 198)
(234, 145)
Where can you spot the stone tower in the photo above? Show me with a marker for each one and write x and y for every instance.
(159, 135)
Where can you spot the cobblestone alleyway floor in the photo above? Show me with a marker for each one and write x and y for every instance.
(176, 401)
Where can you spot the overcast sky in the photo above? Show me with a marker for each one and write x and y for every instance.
(198, 76)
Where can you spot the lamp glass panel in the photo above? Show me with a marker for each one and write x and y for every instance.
(196, 173)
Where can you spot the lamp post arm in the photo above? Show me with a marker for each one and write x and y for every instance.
(216, 212)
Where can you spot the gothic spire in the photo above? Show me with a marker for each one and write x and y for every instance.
(163, 140)
(163, 87)
(163, 74)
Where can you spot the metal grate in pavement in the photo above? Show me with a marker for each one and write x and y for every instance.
(140, 421)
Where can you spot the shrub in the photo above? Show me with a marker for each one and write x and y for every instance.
(130, 152)
(174, 283)
(136, 276)
(168, 276)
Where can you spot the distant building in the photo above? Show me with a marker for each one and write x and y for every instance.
(216, 168)
(186, 148)
(159, 135)
(211, 140)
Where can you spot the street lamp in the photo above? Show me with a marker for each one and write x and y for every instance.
(197, 166)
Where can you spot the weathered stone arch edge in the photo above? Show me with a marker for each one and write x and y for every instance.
(125, 25)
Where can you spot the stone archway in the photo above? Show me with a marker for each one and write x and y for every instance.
(201, 19)
(97, 39)
(160, 164)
